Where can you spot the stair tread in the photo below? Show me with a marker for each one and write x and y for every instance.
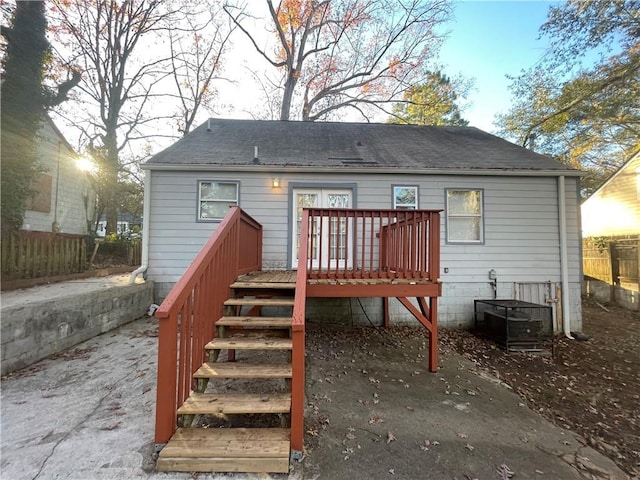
(228, 443)
(243, 370)
(268, 302)
(250, 343)
(217, 465)
(264, 285)
(283, 322)
(236, 403)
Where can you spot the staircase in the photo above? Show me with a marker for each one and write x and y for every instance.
(238, 417)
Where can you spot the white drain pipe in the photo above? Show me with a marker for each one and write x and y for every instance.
(564, 256)
(146, 220)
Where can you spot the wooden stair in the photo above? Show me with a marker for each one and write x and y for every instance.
(231, 447)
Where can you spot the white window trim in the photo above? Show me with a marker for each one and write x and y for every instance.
(465, 215)
(408, 207)
(199, 203)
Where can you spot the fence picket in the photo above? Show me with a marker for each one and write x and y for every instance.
(40, 254)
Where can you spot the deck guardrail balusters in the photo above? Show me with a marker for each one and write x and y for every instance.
(188, 314)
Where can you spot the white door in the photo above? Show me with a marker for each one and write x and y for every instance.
(339, 255)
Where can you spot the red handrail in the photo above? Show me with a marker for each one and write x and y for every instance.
(298, 340)
(188, 314)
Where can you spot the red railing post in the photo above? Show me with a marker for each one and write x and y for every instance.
(298, 340)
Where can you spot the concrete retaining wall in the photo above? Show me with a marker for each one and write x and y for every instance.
(32, 331)
(603, 292)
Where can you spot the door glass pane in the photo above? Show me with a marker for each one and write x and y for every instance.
(338, 227)
(306, 200)
(338, 200)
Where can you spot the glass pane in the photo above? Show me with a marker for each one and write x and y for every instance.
(218, 191)
(338, 200)
(209, 210)
(306, 200)
(464, 229)
(462, 202)
(405, 197)
(338, 233)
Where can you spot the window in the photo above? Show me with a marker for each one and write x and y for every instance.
(464, 216)
(405, 197)
(215, 198)
(41, 200)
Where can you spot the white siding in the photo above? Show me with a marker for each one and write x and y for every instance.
(614, 209)
(70, 188)
(521, 234)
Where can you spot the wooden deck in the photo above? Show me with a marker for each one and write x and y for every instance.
(343, 287)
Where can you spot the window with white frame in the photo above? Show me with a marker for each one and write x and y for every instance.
(464, 216)
(215, 197)
(405, 197)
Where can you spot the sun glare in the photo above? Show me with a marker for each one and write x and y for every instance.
(86, 165)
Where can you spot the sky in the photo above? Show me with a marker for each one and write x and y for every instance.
(487, 40)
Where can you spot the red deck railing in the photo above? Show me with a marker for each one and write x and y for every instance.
(188, 314)
(298, 341)
(362, 243)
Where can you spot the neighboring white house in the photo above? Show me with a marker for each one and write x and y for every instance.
(613, 210)
(505, 209)
(65, 199)
(124, 225)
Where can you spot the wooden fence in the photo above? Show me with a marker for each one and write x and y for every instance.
(40, 254)
(612, 260)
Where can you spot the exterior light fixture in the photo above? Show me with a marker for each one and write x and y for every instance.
(275, 182)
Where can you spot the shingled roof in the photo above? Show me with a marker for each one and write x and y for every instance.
(346, 145)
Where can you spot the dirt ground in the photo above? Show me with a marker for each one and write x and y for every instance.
(590, 387)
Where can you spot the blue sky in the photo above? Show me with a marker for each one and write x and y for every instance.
(489, 40)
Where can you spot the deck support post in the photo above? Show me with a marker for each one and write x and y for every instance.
(428, 317)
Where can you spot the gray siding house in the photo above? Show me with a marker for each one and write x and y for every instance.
(505, 209)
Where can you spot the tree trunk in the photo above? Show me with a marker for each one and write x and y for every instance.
(289, 87)
(111, 200)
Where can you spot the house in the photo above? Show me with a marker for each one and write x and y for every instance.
(127, 225)
(57, 217)
(613, 210)
(611, 232)
(414, 222)
(501, 202)
(65, 200)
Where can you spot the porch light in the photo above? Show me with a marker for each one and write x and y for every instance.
(275, 182)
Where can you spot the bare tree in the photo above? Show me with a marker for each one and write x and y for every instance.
(347, 53)
(114, 45)
(197, 43)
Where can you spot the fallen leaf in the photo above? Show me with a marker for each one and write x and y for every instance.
(375, 419)
(504, 472)
(111, 426)
(390, 437)
(463, 435)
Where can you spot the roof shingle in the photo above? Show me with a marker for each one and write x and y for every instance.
(332, 144)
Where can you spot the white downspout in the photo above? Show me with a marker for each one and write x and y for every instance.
(146, 232)
(564, 265)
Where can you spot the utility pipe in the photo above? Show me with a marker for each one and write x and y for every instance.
(146, 220)
(564, 266)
